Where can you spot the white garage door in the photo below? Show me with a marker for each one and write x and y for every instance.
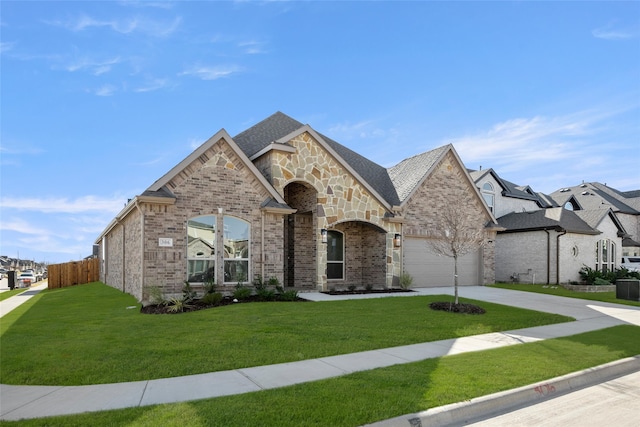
(430, 270)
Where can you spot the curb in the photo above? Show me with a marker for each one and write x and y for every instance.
(506, 401)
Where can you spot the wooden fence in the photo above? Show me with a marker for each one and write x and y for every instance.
(73, 273)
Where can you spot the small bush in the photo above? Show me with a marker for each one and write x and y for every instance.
(210, 287)
(601, 282)
(406, 280)
(352, 287)
(155, 295)
(241, 293)
(290, 295)
(212, 298)
(266, 294)
(188, 294)
(177, 305)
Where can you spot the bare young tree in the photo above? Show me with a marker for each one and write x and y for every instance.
(458, 230)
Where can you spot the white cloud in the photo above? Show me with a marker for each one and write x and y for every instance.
(211, 72)
(97, 67)
(104, 90)
(122, 26)
(152, 84)
(64, 205)
(609, 32)
(252, 47)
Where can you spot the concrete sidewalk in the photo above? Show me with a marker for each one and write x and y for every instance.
(39, 401)
(11, 303)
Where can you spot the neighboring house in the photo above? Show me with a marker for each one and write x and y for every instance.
(282, 200)
(504, 197)
(596, 196)
(552, 245)
(549, 238)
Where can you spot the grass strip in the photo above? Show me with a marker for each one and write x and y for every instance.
(8, 294)
(89, 334)
(370, 396)
(562, 292)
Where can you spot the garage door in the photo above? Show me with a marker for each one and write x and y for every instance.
(430, 270)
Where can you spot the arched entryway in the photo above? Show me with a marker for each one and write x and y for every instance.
(364, 255)
(300, 238)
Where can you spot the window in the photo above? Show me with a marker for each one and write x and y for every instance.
(335, 255)
(488, 195)
(236, 250)
(201, 248)
(605, 255)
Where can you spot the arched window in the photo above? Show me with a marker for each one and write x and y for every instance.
(605, 255)
(489, 195)
(236, 250)
(335, 255)
(201, 249)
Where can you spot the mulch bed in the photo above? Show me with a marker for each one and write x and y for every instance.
(457, 308)
(364, 291)
(199, 305)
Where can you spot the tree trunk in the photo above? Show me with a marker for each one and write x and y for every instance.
(455, 278)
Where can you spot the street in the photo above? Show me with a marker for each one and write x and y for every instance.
(613, 403)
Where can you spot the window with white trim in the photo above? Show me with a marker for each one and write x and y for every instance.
(605, 255)
(236, 250)
(201, 249)
(488, 194)
(335, 255)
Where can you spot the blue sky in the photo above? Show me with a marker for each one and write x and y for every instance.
(100, 99)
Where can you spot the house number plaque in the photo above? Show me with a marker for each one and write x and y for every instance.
(165, 242)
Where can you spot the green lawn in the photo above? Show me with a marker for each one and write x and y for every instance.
(560, 291)
(370, 396)
(90, 334)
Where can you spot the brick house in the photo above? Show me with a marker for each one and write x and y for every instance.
(564, 231)
(282, 200)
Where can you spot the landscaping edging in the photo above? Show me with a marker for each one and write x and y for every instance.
(590, 288)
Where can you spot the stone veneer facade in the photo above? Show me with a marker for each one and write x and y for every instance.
(310, 179)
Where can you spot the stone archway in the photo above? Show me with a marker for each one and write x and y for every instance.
(300, 238)
(365, 254)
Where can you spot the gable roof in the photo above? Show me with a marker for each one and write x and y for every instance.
(545, 219)
(392, 186)
(509, 189)
(410, 173)
(593, 195)
(595, 217)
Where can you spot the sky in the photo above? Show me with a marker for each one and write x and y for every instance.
(98, 99)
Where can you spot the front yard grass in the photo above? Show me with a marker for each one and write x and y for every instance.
(379, 394)
(94, 334)
(560, 291)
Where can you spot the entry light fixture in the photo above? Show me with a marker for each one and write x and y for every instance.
(397, 240)
(323, 235)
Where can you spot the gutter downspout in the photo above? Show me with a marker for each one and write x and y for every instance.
(558, 256)
(141, 246)
(262, 256)
(123, 254)
(548, 256)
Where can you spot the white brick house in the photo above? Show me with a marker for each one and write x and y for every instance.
(549, 238)
(282, 200)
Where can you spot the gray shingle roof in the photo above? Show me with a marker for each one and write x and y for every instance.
(593, 195)
(393, 184)
(509, 189)
(407, 174)
(553, 218)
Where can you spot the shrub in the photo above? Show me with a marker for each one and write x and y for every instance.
(210, 287)
(406, 280)
(601, 282)
(212, 298)
(290, 295)
(155, 295)
(188, 294)
(177, 305)
(266, 294)
(241, 293)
